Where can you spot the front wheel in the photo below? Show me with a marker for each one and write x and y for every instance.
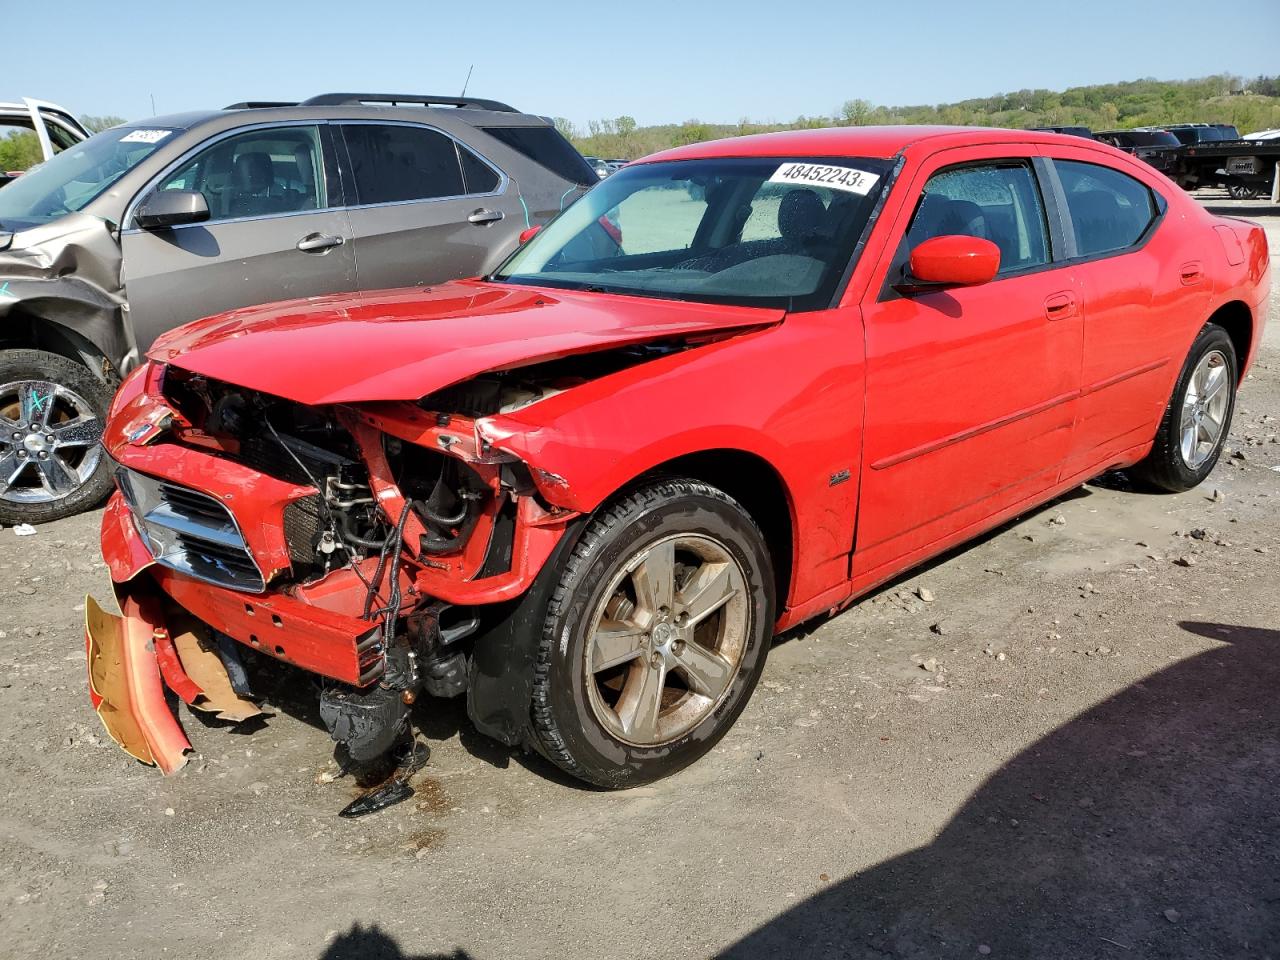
(1198, 417)
(51, 416)
(655, 636)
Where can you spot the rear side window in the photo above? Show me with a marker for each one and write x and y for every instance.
(392, 163)
(997, 202)
(545, 146)
(478, 175)
(1110, 210)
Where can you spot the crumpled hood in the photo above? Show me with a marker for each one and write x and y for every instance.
(404, 344)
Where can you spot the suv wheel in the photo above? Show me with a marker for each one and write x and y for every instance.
(51, 418)
(655, 636)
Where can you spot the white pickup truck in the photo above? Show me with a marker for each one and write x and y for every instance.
(55, 127)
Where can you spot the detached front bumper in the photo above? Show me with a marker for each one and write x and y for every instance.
(134, 656)
(164, 637)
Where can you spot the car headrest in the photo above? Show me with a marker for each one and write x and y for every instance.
(800, 214)
(254, 172)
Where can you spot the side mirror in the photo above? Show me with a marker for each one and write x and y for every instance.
(953, 261)
(170, 208)
(529, 233)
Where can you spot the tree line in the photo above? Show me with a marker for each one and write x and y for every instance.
(1250, 104)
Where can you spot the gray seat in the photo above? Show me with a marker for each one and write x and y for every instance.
(252, 187)
(802, 217)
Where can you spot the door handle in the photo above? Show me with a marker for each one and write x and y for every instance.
(1059, 306)
(319, 242)
(486, 216)
(1191, 273)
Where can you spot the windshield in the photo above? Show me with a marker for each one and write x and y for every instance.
(755, 232)
(66, 183)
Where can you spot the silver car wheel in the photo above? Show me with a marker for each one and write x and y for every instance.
(49, 441)
(1204, 409)
(667, 639)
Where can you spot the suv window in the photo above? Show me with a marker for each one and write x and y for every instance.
(1109, 210)
(391, 163)
(257, 174)
(998, 202)
(545, 146)
(478, 176)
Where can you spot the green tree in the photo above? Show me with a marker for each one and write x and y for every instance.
(19, 151)
(691, 131)
(566, 128)
(856, 113)
(98, 124)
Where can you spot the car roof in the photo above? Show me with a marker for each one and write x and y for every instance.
(264, 112)
(876, 142)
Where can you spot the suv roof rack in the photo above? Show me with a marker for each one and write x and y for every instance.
(259, 104)
(351, 99)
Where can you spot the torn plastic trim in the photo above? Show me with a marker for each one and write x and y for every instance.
(125, 685)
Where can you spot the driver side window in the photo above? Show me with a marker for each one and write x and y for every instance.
(256, 174)
(997, 202)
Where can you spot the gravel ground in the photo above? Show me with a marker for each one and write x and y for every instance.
(1071, 750)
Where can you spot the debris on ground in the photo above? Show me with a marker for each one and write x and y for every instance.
(24, 530)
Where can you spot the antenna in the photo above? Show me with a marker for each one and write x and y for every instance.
(468, 80)
(153, 104)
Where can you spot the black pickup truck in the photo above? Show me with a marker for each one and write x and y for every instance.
(1247, 168)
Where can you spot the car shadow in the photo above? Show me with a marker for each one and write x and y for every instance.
(372, 943)
(1146, 826)
(803, 630)
(296, 694)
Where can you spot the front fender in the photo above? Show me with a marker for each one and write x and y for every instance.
(791, 395)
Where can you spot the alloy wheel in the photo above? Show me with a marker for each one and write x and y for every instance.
(1204, 409)
(48, 441)
(667, 639)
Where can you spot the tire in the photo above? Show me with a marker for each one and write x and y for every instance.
(1240, 191)
(43, 480)
(1172, 464)
(695, 669)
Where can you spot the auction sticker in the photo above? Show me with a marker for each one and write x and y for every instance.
(145, 136)
(822, 175)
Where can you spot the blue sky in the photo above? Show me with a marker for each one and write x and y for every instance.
(656, 60)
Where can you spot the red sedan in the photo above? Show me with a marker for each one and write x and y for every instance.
(735, 386)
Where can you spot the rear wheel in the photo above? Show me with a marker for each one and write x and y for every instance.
(1241, 191)
(51, 418)
(1198, 417)
(655, 636)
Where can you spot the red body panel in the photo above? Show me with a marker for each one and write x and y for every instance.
(897, 426)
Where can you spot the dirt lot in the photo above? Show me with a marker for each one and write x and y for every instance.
(1072, 751)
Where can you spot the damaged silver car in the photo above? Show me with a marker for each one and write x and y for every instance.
(153, 224)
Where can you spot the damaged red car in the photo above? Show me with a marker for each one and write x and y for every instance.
(734, 387)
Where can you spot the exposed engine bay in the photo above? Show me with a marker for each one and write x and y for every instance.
(341, 524)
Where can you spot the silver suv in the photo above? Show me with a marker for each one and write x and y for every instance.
(152, 224)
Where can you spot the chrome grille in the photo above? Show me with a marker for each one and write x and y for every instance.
(190, 532)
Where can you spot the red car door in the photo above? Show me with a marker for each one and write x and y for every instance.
(1138, 283)
(970, 398)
